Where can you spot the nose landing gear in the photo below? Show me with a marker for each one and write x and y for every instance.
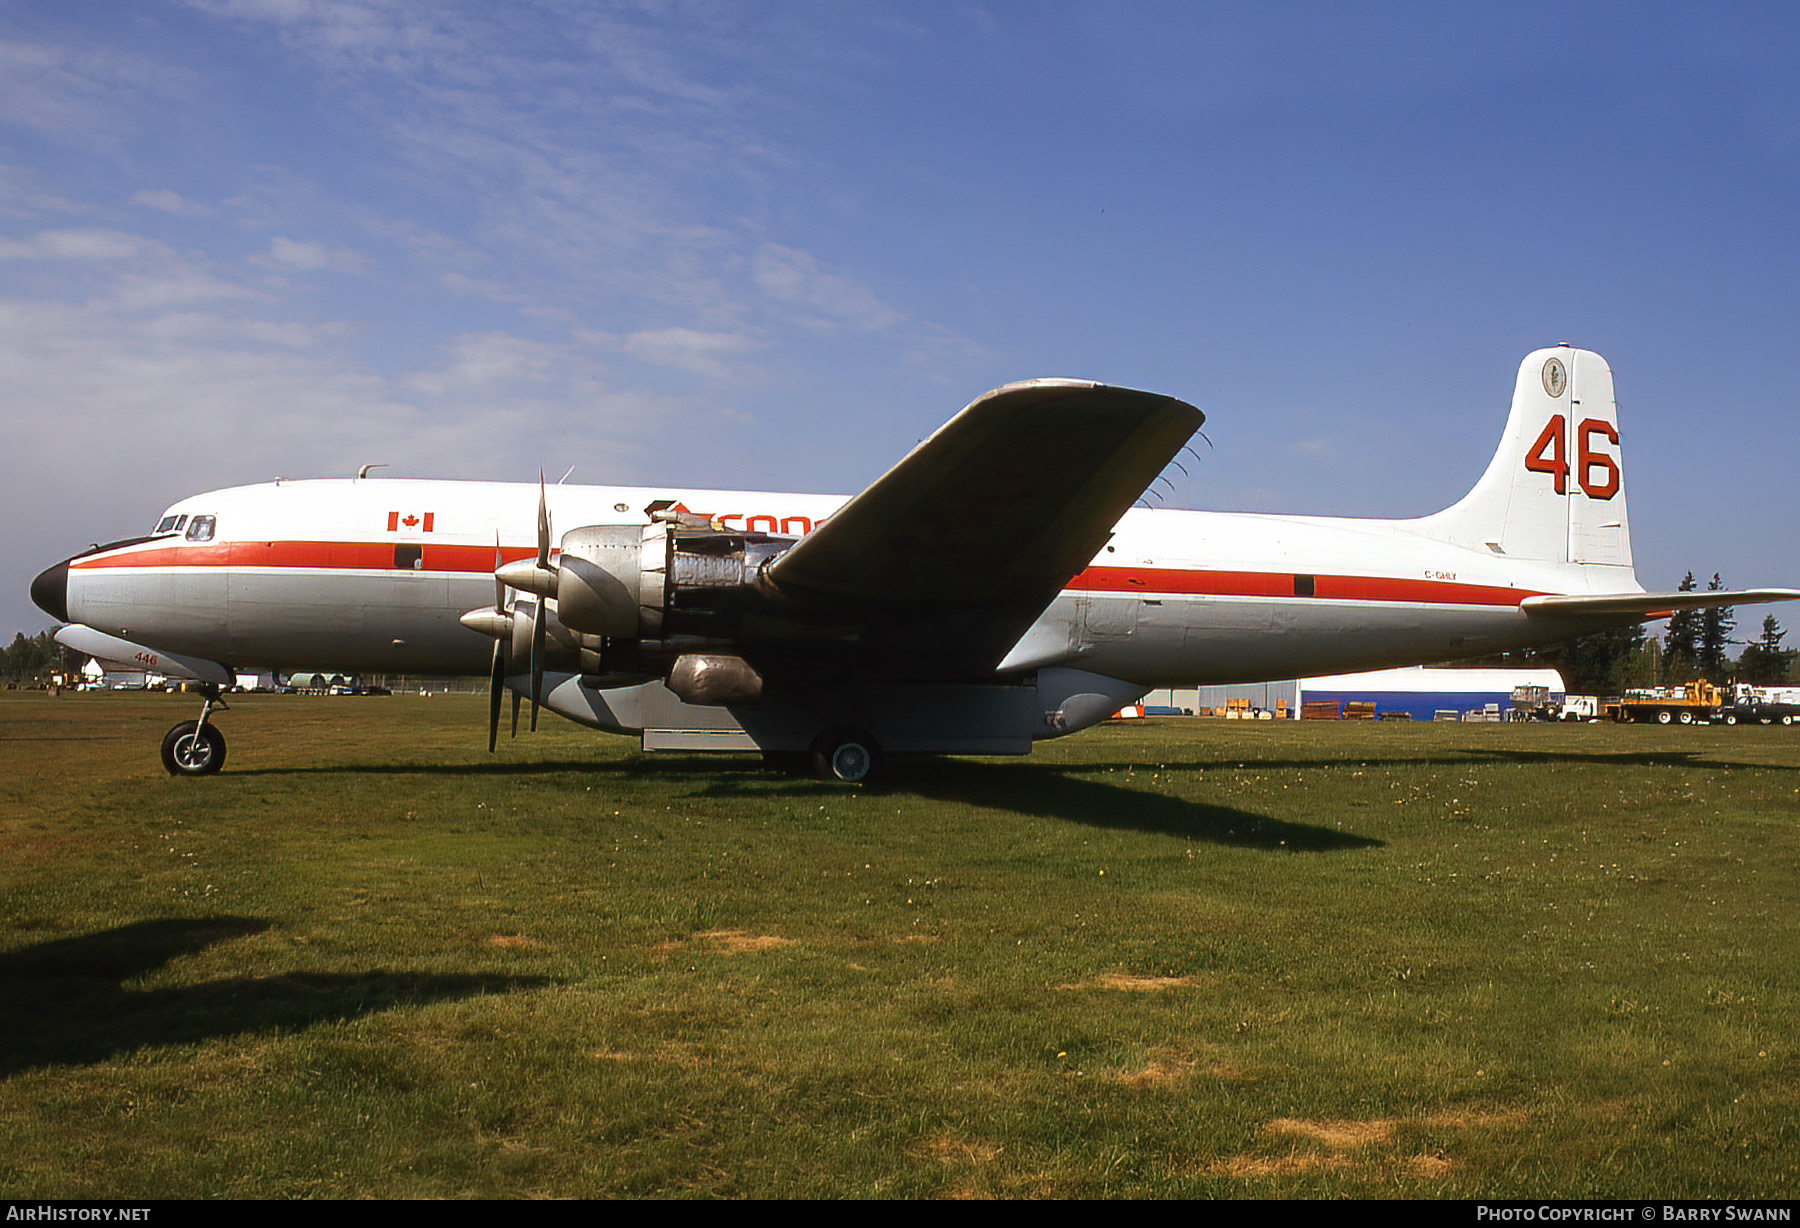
(195, 748)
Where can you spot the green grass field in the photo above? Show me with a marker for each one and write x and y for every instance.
(1172, 958)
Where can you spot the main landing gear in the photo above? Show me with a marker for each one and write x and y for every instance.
(849, 755)
(195, 748)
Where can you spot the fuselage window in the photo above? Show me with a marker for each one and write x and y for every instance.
(202, 529)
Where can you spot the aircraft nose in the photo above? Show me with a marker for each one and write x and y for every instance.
(50, 591)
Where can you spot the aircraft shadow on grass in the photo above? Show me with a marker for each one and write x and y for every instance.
(1048, 790)
(63, 1003)
(1055, 791)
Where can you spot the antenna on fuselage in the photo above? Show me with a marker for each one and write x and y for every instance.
(364, 471)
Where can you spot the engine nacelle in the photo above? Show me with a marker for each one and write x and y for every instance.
(626, 581)
(600, 581)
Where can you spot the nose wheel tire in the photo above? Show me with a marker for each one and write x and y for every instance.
(849, 755)
(193, 749)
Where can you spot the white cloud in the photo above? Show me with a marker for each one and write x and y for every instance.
(294, 255)
(477, 362)
(75, 96)
(831, 298)
(167, 201)
(21, 197)
(688, 349)
(86, 245)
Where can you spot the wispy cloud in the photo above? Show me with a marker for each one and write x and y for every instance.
(73, 96)
(710, 354)
(166, 201)
(78, 245)
(828, 298)
(605, 152)
(299, 256)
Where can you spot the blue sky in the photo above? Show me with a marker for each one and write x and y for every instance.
(772, 245)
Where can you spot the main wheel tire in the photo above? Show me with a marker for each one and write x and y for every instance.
(193, 749)
(1664, 716)
(849, 755)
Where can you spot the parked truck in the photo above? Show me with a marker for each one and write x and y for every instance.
(1582, 708)
(1695, 703)
(1760, 705)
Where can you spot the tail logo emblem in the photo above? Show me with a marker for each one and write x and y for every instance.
(1555, 378)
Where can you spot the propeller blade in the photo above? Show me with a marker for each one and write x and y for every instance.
(538, 627)
(543, 525)
(496, 684)
(499, 584)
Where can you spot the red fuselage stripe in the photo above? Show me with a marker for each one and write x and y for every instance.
(479, 560)
(350, 556)
(1281, 584)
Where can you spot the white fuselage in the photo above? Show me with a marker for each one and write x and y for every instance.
(373, 575)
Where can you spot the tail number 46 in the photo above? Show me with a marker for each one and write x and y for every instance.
(1596, 471)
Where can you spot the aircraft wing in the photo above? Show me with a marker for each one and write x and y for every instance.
(1645, 605)
(955, 550)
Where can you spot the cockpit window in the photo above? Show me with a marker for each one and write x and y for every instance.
(169, 524)
(202, 529)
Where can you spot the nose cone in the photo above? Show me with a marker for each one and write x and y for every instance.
(50, 591)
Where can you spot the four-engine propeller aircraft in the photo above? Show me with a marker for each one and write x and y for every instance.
(993, 588)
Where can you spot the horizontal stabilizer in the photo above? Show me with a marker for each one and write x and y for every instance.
(1646, 604)
(137, 656)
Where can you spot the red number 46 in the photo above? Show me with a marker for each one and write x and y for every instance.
(1550, 455)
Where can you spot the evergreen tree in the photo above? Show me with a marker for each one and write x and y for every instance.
(1603, 663)
(1765, 661)
(1681, 641)
(31, 659)
(1716, 624)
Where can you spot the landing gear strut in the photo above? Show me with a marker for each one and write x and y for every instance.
(195, 748)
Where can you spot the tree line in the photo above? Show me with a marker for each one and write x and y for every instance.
(30, 659)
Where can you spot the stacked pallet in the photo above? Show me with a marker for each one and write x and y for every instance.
(1319, 710)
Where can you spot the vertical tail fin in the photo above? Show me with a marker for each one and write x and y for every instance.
(1555, 490)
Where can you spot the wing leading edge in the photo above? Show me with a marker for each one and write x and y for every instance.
(955, 550)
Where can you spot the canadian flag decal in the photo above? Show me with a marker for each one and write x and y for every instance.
(411, 521)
